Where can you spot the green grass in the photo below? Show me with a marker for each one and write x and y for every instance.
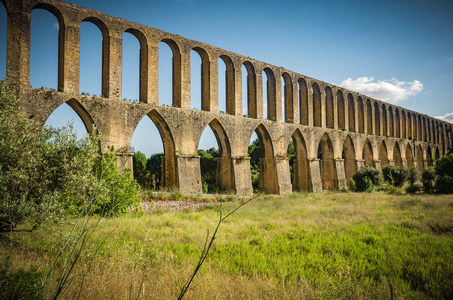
(330, 245)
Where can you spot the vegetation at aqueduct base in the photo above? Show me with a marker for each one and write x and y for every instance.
(66, 232)
(333, 245)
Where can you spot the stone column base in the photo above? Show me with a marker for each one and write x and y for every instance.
(315, 171)
(188, 174)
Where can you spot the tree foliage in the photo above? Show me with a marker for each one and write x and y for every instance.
(366, 179)
(394, 175)
(47, 171)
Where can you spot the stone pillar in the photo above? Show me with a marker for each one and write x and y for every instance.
(391, 162)
(18, 48)
(268, 176)
(69, 59)
(377, 164)
(259, 95)
(182, 82)
(301, 175)
(275, 93)
(284, 176)
(188, 174)
(360, 163)
(322, 97)
(153, 74)
(404, 163)
(341, 174)
(112, 57)
(242, 176)
(237, 91)
(295, 103)
(252, 99)
(168, 180)
(124, 162)
(206, 84)
(213, 90)
(315, 172)
(225, 178)
(146, 82)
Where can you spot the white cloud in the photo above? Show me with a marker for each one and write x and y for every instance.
(388, 90)
(56, 25)
(447, 117)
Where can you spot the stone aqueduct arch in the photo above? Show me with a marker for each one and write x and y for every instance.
(335, 131)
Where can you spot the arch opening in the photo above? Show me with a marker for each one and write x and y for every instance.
(90, 76)
(262, 163)
(215, 159)
(222, 85)
(341, 111)
(298, 160)
(327, 163)
(429, 156)
(420, 161)
(383, 155)
(269, 93)
(369, 117)
(329, 107)
(249, 90)
(397, 123)
(303, 102)
(245, 92)
(196, 80)
(351, 112)
(350, 163)
(404, 125)
(384, 121)
(391, 122)
(71, 113)
(367, 153)
(317, 106)
(361, 115)
(377, 119)
(166, 74)
(154, 163)
(44, 49)
(287, 97)
(397, 156)
(409, 156)
(130, 68)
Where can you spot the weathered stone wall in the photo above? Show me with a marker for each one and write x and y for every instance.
(350, 129)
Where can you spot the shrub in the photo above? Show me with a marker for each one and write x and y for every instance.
(367, 178)
(428, 179)
(394, 175)
(45, 171)
(412, 189)
(413, 175)
(444, 171)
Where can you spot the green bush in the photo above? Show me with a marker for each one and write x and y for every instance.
(444, 172)
(413, 175)
(46, 171)
(367, 178)
(394, 175)
(428, 179)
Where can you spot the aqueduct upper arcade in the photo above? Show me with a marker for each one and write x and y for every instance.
(334, 130)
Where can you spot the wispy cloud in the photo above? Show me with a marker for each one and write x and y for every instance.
(56, 25)
(447, 117)
(388, 90)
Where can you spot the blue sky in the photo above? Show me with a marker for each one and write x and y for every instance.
(397, 51)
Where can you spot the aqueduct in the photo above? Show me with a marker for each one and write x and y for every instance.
(334, 130)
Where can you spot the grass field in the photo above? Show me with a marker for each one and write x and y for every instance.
(330, 245)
